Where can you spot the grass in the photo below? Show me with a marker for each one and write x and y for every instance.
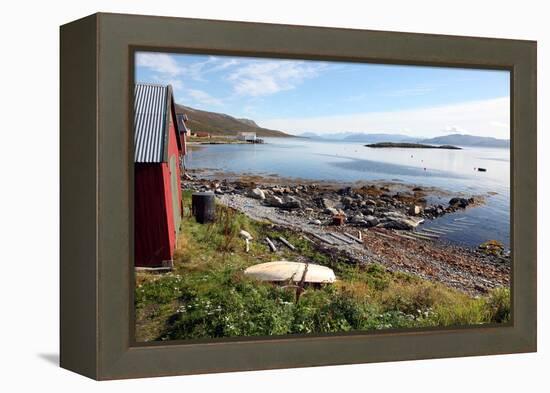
(207, 295)
(214, 139)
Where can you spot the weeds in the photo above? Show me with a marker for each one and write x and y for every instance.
(208, 295)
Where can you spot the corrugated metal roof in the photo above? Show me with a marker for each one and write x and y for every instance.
(150, 109)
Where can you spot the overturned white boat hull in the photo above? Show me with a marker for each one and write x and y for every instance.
(283, 271)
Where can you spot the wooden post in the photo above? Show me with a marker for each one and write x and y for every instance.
(271, 245)
(287, 243)
(203, 205)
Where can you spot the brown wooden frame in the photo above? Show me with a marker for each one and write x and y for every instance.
(97, 178)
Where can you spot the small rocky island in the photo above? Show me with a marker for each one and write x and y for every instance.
(411, 145)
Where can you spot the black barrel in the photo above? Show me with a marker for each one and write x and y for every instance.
(203, 205)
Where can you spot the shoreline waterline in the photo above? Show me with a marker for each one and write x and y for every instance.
(448, 174)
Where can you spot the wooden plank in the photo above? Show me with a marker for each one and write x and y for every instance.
(434, 236)
(322, 238)
(383, 235)
(434, 231)
(287, 243)
(161, 269)
(419, 236)
(340, 237)
(407, 237)
(353, 237)
(446, 230)
(270, 244)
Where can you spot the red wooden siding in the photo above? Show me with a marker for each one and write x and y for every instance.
(156, 223)
(152, 232)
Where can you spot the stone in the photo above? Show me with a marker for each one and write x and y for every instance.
(327, 202)
(256, 193)
(369, 211)
(415, 210)
(345, 191)
(396, 220)
(315, 222)
(459, 202)
(274, 201)
(347, 201)
(371, 221)
(286, 202)
(331, 210)
(296, 204)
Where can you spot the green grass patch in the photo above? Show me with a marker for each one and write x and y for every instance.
(208, 296)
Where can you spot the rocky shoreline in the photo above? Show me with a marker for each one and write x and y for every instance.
(370, 223)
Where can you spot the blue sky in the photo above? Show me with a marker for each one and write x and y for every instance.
(326, 97)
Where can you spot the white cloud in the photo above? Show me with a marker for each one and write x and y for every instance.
(166, 80)
(203, 97)
(270, 77)
(161, 63)
(415, 91)
(474, 117)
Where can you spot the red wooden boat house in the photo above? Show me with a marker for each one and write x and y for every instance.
(158, 152)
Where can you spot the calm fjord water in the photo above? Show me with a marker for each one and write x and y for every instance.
(451, 170)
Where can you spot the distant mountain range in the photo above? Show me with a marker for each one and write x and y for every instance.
(222, 124)
(468, 140)
(453, 139)
(361, 137)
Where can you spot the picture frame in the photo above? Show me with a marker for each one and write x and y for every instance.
(96, 142)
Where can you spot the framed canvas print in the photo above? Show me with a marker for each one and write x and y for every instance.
(241, 196)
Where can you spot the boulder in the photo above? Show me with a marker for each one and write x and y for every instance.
(275, 201)
(492, 247)
(347, 201)
(369, 211)
(459, 202)
(345, 191)
(332, 211)
(396, 220)
(326, 203)
(371, 221)
(415, 210)
(291, 202)
(256, 193)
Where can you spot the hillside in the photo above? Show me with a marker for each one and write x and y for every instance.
(468, 140)
(222, 124)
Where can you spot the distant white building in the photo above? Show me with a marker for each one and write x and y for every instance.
(247, 136)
